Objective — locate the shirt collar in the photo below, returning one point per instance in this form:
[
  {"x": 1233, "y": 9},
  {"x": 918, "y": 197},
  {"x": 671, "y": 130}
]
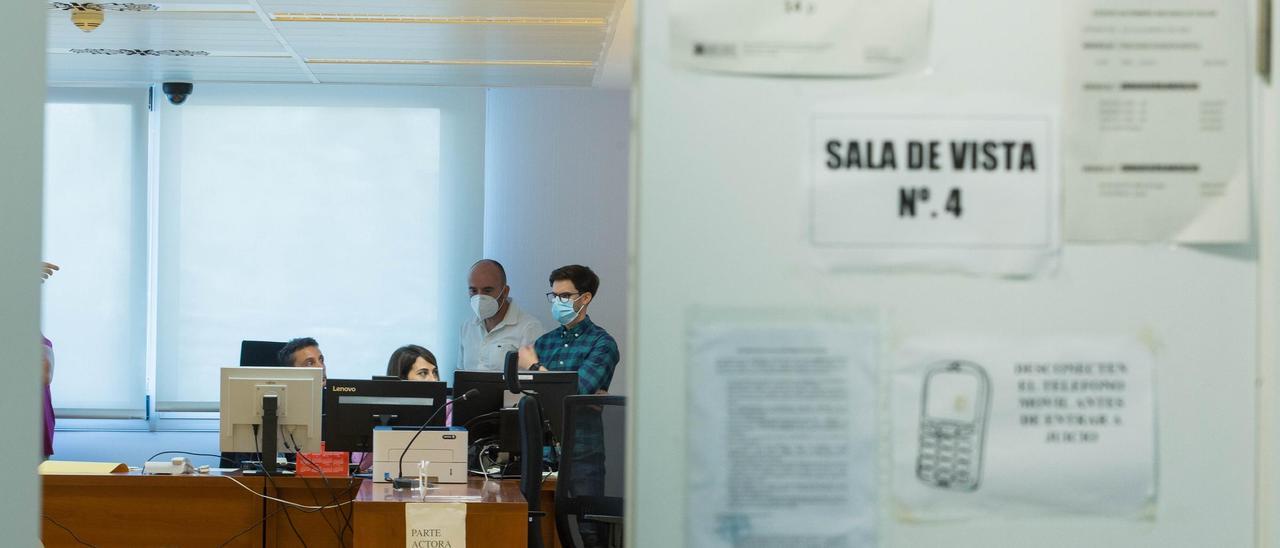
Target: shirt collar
[
  {"x": 512, "y": 317},
  {"x": 582, "y": 326}
]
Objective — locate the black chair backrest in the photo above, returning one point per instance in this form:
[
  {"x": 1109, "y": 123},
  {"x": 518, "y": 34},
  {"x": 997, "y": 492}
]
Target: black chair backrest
[
  {"x": 260, "y": 353},
  {"x": 531, "y": 464},
  {"x": 589, "y": 489}
]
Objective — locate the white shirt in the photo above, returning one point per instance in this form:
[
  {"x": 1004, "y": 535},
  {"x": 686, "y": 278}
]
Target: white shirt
[{"x": 487, "y": 350}]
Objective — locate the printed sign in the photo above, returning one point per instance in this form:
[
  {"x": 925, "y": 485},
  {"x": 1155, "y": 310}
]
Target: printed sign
[
  {"x": 435, "y": 525},
  {"x": 1018, "y": 427},
  {"x": 951, "y": 183}
]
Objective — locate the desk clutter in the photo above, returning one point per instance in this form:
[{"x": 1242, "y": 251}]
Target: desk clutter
[{"x": 356, "y": 463}]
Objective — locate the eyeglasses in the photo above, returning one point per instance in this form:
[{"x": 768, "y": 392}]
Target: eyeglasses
[{"x": 553, "y": 297}]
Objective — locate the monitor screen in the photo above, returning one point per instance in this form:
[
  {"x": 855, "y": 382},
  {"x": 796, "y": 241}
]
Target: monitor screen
[
  {"x": 548, "y": 387},
  {"x": 353, "y": 407}
]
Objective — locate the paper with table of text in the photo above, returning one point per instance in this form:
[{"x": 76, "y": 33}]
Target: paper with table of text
[{"x": 1156, "y": 135}]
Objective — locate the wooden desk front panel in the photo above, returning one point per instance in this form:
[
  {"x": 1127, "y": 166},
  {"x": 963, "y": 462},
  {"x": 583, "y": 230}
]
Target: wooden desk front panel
[
  {"x": 498, "y": 519},
  {"x": 316, "y": 529},
  {"x": 135, "y": 510}
]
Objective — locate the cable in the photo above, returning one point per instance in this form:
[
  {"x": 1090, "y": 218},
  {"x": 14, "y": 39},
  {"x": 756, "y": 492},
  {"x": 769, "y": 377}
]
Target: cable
[
  {"x": 251, "y": 527},
  {"x": 233, "y": 462},
  {"x": 69, "y": 531},
  {"x": 311, "y": 491},
  {"x": 344, "y": 515},
  {"x": 302, "y": 507},
  {"x": 272, "y": 481}
]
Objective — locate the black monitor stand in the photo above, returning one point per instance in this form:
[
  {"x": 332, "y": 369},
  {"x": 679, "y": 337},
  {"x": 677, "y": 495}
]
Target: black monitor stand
[{"x": 270, "y": 423}]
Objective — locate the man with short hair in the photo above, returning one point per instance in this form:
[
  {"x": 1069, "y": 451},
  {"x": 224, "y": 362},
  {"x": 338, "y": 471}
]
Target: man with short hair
[
  {"x": 303, "y": 352},
  {"x": 499, "y": 326},
  {"x": 579, "y": 345}
]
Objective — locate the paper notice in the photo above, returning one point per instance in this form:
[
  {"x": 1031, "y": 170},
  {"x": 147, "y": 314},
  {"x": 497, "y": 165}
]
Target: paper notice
[
  {"x": 1023, "y": 427},
  {"x": 782, "y": 435},
  {"x": 435, "y": 525},
  {"x": 1156, "y": 139},
  {"x": 801, "y": 37}
]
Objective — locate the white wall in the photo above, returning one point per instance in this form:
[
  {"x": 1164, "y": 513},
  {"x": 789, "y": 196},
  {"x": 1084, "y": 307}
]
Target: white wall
[
  {"x": 721, "y": 194},
  {"x": 21, "y": 145},
  {"x": 1268, "y": 215},
  {"x": 556, "y": 168}
]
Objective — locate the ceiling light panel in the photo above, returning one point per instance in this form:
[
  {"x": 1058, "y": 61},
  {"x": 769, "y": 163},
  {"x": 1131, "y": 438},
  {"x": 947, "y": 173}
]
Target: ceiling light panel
[
  {"x": 166, "y": 30},
  {"x": 453, "y": 75},
  {"x": 447, "y": 42},
  {"x": 439, "y": 20},
  {"x": 448, "y": 8}
]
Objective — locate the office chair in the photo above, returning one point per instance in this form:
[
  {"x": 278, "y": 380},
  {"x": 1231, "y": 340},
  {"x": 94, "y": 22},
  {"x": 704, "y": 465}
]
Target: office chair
[
  {"x": 531, "y": 464},
  {"x": 260, "y": 353},
  {"x": 589, "y": 490}
]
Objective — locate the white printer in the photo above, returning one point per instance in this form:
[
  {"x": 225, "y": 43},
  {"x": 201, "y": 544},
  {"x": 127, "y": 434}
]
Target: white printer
[{"x": 444, "y": 449}]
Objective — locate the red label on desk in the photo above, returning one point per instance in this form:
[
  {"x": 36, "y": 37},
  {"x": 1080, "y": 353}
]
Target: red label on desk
[{"x": 330, "y": 464}]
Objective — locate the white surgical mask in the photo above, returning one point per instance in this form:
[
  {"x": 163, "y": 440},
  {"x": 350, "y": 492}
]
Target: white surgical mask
[{"x": 484, "y": 306}]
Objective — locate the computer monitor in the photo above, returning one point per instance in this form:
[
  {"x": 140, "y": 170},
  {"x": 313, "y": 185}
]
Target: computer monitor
[
  {"x": 488, "y": 399},
  {"x": 295, "y": 394},
  {"x": 260, "y": 353},
  {"x": 353, "y": 407},
  {"x": 548, "y": 387}
]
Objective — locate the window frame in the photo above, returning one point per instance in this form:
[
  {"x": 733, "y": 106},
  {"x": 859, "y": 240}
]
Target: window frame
[
  {"x": 140, "y": 233},
  {"x": 462, "y": 128}
]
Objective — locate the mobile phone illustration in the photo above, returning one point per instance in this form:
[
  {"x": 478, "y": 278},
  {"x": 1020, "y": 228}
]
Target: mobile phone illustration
[{"x": 953, "y": 422}]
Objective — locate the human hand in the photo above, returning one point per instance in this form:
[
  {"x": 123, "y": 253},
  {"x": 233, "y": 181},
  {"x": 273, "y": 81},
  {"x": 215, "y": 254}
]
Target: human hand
[
  {"x": 47, "y": 359},
  {"x": 47, "y": 269},
  {"x": 526, "y": 356}
]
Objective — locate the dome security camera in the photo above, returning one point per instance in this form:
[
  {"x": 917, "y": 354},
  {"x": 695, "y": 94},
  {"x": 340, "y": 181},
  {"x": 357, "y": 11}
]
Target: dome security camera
[{"x": 177, "y": 92}]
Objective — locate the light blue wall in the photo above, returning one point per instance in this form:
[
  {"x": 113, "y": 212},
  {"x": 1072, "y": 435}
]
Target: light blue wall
[
  {"x": 21, "y": 142},
  {"x": 556, "y": 168}
]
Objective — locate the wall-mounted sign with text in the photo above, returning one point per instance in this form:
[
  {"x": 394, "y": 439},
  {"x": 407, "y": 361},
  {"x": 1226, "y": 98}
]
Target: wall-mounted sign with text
[
  {"x": 904, "y": 185},
  {"x": 801, "y": 37}
]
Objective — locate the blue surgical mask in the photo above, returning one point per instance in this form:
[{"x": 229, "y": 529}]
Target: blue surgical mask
[{"x": 563, "y": 312}]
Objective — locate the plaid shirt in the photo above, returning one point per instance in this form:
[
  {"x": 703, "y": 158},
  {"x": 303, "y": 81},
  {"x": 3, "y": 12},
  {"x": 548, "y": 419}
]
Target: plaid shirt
[
  {"x": 592, "y": 352},
  {"x": 585, "y": 348}
]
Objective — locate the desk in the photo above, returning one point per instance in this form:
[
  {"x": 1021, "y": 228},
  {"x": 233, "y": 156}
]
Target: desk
[
  {"x": 130, "y": 509},
  {"x": 303, "y": 528},
  {"x": 496, "y": 512}
]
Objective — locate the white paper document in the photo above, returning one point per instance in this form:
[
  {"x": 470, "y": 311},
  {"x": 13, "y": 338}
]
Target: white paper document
[
  {"x": 801, "y": 37},
  {"x": 1025, "y": 427},
  {"x": 1156, "y": 135},
  {"x": 782, "y": 435},
  {"x": 435, "y": 525},
  {"x": 970, "y": 193}
]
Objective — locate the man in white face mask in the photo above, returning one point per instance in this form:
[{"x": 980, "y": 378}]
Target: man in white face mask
[{"x": 499, "y": 326}]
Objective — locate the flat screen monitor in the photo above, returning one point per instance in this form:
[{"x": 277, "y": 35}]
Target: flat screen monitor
[
  {"x": 353, "y": 407},
  {"x": 260, "y": 353},
  {"x": 550, "y": 388},
  {"x": 297, "y": 393}
]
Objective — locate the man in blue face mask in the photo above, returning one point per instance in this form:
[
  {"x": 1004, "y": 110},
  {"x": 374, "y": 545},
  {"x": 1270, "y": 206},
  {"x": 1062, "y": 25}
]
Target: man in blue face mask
[
  {"x": 577, "y": 344},
  {"x": 582, "y": 346}
]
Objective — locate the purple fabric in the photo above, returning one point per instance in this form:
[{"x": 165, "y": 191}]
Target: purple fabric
[{"x": 48, "y": 411}]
